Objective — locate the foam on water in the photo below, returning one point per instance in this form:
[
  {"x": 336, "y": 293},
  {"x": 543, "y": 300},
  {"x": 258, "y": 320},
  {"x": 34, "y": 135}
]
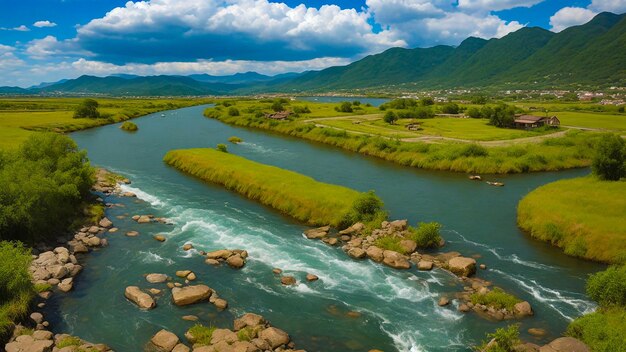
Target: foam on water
[
  {"x": 150, "y": 257},
  {"x": 258, "y": 148},
  {"x": 153, "y": 200}
]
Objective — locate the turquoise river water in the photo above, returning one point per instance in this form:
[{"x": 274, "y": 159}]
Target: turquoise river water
[{"x": 399, "y": 310}]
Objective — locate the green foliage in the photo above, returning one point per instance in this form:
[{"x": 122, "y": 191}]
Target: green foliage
[
  {"x": 299, "y": 196},
  {"x": 69, "y": 341},
  {"x": 88, "y": 108},
  {"x": 420, "y": 112},
  {"x": 479, "y": 100},
  {"x": 42, "y": 287},
  {"x": 222, "y": 148},
  {"x": 427, "y": 101},
  {"x": 450, "y": 108},
  {"x": 233, "y": 111},
  {"x": 473, "y": 113},
  {"x": 503, "y": 116},
  {"x": 496, "y": 298},
  {"x": 246, "y": 334},
  {"x": 390, "y": 243},
  {"x": 390, "y": 117},
  {"x": 608, "y": 287},
  {"x": 301, "y": 110},
  {"x": 129, "y": 126},
  {"x": 506, "y": 339},
  {"x": 346, "y": 106},
  {"x": 16, "y": 289},
  {"x": 46, "y": 180},
  {"x": 202, "y": 334},
  {"x": 609, "y": 162},
  {"x": 235, "y": 140},
  {"x": 400, "y": 104},
  {"x": 278, "y": 106},
  {"x": 426, "y": 235},
  {"x": 603, "y": 330}
]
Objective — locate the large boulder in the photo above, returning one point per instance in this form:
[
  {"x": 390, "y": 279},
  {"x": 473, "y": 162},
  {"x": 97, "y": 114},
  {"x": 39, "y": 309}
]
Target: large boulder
[
  {"x": 156, "y": 278},
  {"x": 398, "y": 225},
  {"x": 462, "y": 266},
  {"x": 219, "y": 254},
  {"x": 105, "y": 223},
  {"x": 523, "y": 309},
  {"x": 248, "y": 319},
  {"x": 565, "y": 344},
  {"x": 356, "y": 253},
  {"x": 182, "y": 296},
  {"x": 409, "y": 246},
  {"x": 226, "y": 335},
  {"x": 375, "y": 253},
  {"x": 317, "y": 233},
  {"x": 354, "y": 229},
  {"x": 140, "y": 298},
  {"x": 164, "y": 341},
  {"x": 275, "y": 337},
  {"x": 395, "y": 260},
  {"x": 236, "y": 261}
]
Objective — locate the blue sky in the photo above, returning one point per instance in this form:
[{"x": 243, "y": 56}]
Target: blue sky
[{"x": 46, "y": 40}]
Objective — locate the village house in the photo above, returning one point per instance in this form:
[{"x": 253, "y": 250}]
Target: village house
[
  {"x": 531, "y": 121},
  {"x": 281, "y": 115}
]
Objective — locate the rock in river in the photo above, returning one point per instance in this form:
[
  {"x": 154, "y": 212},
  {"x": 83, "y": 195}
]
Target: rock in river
[
  {"x": 395, "y": 260},
  {"x": 156, "y": 278},
  {"x": 183, "y": 296},
  {"x": 462, "y": 266},
  {"x": 140, "y": 298},
  {"x": 275, "y": 337},
  {"x": 164, "y": 341}
]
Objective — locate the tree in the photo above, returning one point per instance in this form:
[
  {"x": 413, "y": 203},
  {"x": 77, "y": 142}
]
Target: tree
[
  {"x": 426, "y": 101},
  {"x": 278, "y": 106},
  {"x": 479, "y": 99},
  {"x": 88, "y": 108},
  {"x": 450, "y": 108},
  {"x": 486, "y": 112},
  {"x": 473, "y": 113},
  {"x": 390, "y": 117},
  {"x": 233, "y": 111},
  {"x": 503, "y": 116},
  {"x": 346, "y": 106},
  {"x": 608, "y": 163}
]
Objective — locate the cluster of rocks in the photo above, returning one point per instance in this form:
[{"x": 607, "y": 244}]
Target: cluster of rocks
[
  {"x": 235, "y": 258},
  {"x": 289, "y": 280},
  {"x": 561, "y": 344},
  {"x": 250, "y": 333},
  {"x": 146, "y": 219},
  {"x": 359, "y": 246},
  {"x": 108, "y": 182},
  {"x": 181, "y": 295}
]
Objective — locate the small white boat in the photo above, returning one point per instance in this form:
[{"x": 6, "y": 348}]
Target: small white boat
[
  {"x": 497, "y": 184},
  {"x": 475, "y": 177},
  {"x": 162, "y": 115}
]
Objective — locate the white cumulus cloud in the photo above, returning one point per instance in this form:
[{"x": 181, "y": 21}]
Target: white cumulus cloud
[
  {"x": 42, "y": 24},
  {"x": 496, "y": 5},
  {"x": 615, "y": 6},
  {"x": 570, "y": 16}
]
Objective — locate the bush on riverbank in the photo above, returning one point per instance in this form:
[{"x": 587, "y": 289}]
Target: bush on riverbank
[
  {"x": 426, "y": 235},
  {"x": 609, "y": 162},
  {"x": 496, "y": 298},
  {"x": 296, "y": 195},
  {"x": 605, "y": 329},
  {"x": 575, "y": 149},
  {"x": 235, "y": 140},
  {"x": 505, "y": 340},
  {"x": 45, "y": 184},
  {"x": 129, "y": 126},
  {"x": 16, "y": 289},
  {"x": 584, "y": 216}
]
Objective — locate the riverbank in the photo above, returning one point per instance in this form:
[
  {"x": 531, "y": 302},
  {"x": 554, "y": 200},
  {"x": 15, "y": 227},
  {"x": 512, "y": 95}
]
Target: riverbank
[
  {"x": 22, "y": 117},
  {"x": 293, "y": 194},
  {"x": 574, "y": 150},
  {"x": 583, "y": 216}
]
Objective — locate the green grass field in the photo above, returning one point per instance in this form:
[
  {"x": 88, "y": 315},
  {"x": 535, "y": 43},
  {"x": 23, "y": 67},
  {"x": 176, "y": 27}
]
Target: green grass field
[
  {"x": 584, "y": 216},
  {"x": 293, "y": 194},
  {"x": 467, "y": 129},
  {"x": 585, "y": 115},
  {"x": 21, "y": 117}
]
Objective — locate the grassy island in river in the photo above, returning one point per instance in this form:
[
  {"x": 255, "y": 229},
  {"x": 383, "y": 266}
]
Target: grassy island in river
[
  {"x": 296, "y": 195},
  {"x": 584, "y": 216}
]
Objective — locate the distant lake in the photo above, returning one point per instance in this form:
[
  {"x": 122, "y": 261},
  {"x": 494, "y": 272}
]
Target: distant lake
[{"x": 374, "y": 101}]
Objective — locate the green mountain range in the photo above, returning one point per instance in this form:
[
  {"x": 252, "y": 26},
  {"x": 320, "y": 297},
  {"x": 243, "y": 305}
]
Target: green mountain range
[{"x": 589, "y": 55}]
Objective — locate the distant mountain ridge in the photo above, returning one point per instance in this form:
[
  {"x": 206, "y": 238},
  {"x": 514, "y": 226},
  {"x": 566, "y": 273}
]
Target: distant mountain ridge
[{"x": 592, "y": 54}]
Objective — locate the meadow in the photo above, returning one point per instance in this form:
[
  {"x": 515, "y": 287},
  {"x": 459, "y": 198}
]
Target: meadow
[
  {"x": 20, "y": 118},
  {"x": 583, "y": 216},
  {"x": 299, "y": 196},
  {"x": 584, "y": 115},
  {"x": 575, "y": 149}
]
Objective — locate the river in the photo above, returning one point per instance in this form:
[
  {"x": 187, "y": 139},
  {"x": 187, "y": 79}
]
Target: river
[{"x": 398, "y": 309}]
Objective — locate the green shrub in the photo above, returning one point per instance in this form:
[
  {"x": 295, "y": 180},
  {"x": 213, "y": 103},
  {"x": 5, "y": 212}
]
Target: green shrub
[
  {"x": 235, "y": 140},
  {"x": 471, "y": 150},
  {"x": 246, "y": 334},
  {"x": 42, "y": 287},
  {"x": 390, "y": 117},
  {"x": 222, "y": 148},
  {"x": 346, "y": 106},
  {"x": 45, "y": 185},
  {"x": 390, "y": 243},
  {"x": 202, "y": 334},
  {"x": 609, "y": 162},
  {"x": 426, "y": 235},
  {"x": 129, "y": 126},
  {"x": 16, "y": 289},
  {"x": 608, "y": 287},
  {"x": 88, "y": 108},
  {"x": 69, "y": 341},
  {"x": 233, "y": 111},
  {"x": 496, "y": 298},
  {"x": 602, "y": 331},
  {"x": 506, "y": 339}
]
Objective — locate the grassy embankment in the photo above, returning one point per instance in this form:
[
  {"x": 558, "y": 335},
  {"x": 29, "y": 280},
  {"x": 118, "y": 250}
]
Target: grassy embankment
[
  {"x": 573, "y": 150},
  {"x": 584, "y": 216},
  {"x": 16, "y": 289},
  {"x": 21, "y": 117},
  {"x": 293, "y": 194},
  {"x": 584, "y": 115}
]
